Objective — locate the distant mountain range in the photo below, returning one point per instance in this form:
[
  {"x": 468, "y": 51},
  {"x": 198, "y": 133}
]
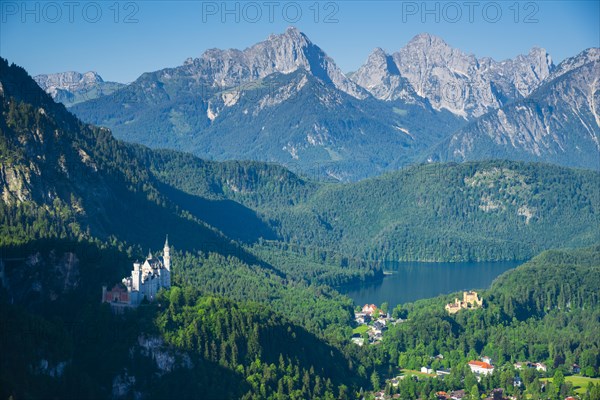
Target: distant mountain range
[
  {"x": 285, "y": 101},
  {"x": 71, "y": 87}
]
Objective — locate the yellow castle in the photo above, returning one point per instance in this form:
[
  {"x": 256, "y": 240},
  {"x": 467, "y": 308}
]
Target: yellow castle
[{"x": 470, "y": 301}]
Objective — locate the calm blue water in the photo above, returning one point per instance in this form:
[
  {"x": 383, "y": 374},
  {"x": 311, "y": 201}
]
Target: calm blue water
[{"x": 412, "y": 281}]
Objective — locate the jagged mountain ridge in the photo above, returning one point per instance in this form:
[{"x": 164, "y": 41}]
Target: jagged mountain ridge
[
  {"x": 559, "y": 122},
  {"x": 282, "y": 100},
  {"x": 73, "y": 87},
  {"x": 451, "y": 79},
  {"x": 283, "y": 53}
]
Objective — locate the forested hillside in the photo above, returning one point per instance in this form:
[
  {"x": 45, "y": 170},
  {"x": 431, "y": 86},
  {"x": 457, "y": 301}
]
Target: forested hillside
[
  {"x": 77, "y": 209},
  {"x": 547, "y": 311},
  {"x": 488, "y": 210}
]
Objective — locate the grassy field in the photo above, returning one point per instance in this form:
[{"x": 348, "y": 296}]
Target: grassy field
[
  {"x": 413, "y": 372},
  {"x": 360, "y": 329},
  {"x": 579, "y": 382}
]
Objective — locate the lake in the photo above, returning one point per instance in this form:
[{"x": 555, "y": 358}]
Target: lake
[{"x": 410, "y": 281}]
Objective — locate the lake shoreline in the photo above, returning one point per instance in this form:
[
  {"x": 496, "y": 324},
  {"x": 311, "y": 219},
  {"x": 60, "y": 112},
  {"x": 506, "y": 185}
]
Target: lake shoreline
[{"x": 406, "y": 282}]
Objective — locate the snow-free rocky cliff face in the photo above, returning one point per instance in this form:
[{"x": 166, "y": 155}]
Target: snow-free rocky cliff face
[
  {"x": 559, "y": 122},
  {"x": 450, "y": 79},
  {"x": 283, "y": 53},
  {"x": 381, "y": 77}
]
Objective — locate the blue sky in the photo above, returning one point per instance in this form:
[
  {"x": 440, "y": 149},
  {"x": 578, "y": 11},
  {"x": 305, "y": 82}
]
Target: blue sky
[{"x": 121, "y": 40}]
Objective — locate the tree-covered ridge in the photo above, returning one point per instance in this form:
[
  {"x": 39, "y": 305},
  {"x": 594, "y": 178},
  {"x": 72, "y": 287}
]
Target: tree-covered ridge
[
  {"x": 474, "y": 211},
  {"x": 488, "y": 210},
  {"x": 563, "y": 280}
]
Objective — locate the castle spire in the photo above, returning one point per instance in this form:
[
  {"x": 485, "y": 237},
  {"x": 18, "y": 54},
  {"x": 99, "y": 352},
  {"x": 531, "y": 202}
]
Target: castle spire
[
  {"x": 149, "y": 254},
  {"x": 167, "y": 241}
]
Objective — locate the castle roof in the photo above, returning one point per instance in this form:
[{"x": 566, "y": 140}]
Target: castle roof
[{"x": 480, "y": 364}]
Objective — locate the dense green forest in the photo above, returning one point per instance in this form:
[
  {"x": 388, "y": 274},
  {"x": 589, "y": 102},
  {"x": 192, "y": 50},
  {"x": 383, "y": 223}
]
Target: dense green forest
[
  {"x": 273, "y": 338},
  {"x": 489, "y": 210}
]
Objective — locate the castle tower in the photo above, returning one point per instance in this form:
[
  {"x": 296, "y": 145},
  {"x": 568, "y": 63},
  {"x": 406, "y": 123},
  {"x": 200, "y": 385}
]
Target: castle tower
[
  {"x": 136, "y": 276},
  {"x": 167, "y": 255},
  {"x": 166, "y": 279}
]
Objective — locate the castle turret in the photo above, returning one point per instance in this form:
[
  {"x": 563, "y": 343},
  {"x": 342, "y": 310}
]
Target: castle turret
[
  {"x": 167, "y": 254},
  {"x": 136, "y": 276}
]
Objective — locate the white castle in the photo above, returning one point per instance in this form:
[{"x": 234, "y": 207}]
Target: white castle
[{"x": 146, "y": 280}]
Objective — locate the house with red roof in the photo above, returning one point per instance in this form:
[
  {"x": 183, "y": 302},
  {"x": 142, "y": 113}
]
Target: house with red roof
[{"x": 481, "y": 367}]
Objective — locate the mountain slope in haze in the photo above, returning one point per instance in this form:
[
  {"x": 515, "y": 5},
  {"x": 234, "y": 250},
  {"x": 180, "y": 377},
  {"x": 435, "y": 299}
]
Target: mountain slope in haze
[
  {"x": 559, "y": 122},
  {"x": 428, "y": 68},
  {"x": 285, "y": 101},
  {"x": 72, "y": 87},
  {"x": 67, "y": 179},
  {"x": 282, "y": 100}
]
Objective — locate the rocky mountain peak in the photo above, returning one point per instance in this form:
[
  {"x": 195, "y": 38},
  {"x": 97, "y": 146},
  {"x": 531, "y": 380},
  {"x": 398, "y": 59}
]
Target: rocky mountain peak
[
  {"x": 281, "y": 53},
  {"x": 587, "y": 56},
  {"x": 380, "y": 59},
  {"x": 73, "y": 87},
  {"x": 68, "y": 80},
  {"x": 381, "y": 77},
  {"x": 427, "y": 39}
]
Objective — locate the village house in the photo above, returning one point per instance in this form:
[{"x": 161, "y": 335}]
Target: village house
[
  {"x": 541, "y": 367},
  {"x": 496, "y": 394},
  {"x": 524, "y": 364},
  {"x": 376, "y": 327},
  {"x": 369, "y": 309},
  {"x": 481, "y": 368},
  {"x": 470, "y": 301}
]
